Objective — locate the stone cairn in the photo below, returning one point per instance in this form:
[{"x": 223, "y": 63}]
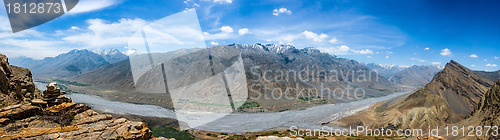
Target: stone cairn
[{"x": 52, "y": 96}]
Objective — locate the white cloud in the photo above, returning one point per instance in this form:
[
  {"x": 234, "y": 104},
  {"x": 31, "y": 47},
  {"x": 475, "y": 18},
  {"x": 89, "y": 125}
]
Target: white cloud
[
  {"x": 418, "y": 59},
  {"x": 345, "y": 50},
  {"x": 226, "y": 29},
  {"x": 132, "y": 52},
  {"x": 288, "y": 38},
  {"x": 84, "y": 6},
  {"x": 436, "y": 63},
  {"x": 37, "y": 49},
  {"x": 386, "y": 57},
  {"x": 491, "y": 65},
  {"x": 340, "y": 50},
  {"x": 243, "y": 31},
  {"x": 427, "y": 49},
  {"x": 315, "y": 37},
  {"x": 472, "y": 65},
  {"x": 496, "y": 57},
  {"x": 214, "y": 43},
  {"x": 75, "y": 28},
  {"x": 225, "y": 33},
  {"x": 220, "y": 1},
  {"x": 367, "y": 51},
  {"x": 473, "y": 56},
  {"x": 277, "y": 12},
  {"x": 334, "y": 40},
  {"x": 102, "y": 33},
  {"x": 445, "y": 52}
]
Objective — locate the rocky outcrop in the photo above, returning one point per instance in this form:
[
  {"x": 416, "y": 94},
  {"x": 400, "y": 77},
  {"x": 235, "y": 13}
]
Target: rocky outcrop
[
  {"x": 68, "y": 121},
  {"x": 27, "y": 114},
  {"x": 59, "y": 117},
  {"x": 16, "y": 84},
  {"x": 487, "y": 113},
  {"x": 52, "y": 96}
]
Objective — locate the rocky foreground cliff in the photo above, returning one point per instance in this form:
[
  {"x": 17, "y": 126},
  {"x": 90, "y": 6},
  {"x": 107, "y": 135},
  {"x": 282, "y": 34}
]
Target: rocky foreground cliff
[{"x": 27, "y": 113}]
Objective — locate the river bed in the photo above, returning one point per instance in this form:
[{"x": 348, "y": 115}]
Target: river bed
[{"x": 310, "y": 118}]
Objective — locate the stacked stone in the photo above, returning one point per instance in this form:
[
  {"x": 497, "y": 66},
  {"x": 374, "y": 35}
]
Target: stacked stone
[{"x": 52, "y": 96}]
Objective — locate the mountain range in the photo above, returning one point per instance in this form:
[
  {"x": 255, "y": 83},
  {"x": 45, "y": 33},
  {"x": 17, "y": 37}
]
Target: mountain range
[
  {"x": 416, "y": 75},
  {"x": 112, "y": 56},
  {"x": 454, "y": 94},
  {"x": 386, "y": 70},
  {"x": 69, "y": 64},
  {"x": 274, "y": 59}
]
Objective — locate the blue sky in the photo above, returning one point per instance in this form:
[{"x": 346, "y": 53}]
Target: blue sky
[{"x": 410, "y": 32}]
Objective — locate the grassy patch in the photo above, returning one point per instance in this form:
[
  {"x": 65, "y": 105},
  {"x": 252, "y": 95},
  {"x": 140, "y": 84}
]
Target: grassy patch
[
  {"x": 380, "y": 108},
  {"x": 307, "y": 98},
  {"x": 169, "y": 132},
  {"x": 237, "y": 136},
  {"x": 250, "y": 104},
  {"x": 71, "y": 83}
]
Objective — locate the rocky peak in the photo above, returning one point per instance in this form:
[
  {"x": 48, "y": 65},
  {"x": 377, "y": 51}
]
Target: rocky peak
[
  {"x": 279, "y": 49},
  {"x": 310, "y": 50},
  {"x": 272, "y": 48},
  {"x": 113, "y": 51},
  {"x": 459, "y": 87},
  {"x": 75, "y": 51},
  {"x": 455, "y": 72}
]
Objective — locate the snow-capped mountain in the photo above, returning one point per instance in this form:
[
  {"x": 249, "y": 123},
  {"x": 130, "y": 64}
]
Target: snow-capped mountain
[
  {"x": 392, "y": 66},
  {"x": 406, "y": 75},
  {"x": 132, "y": 52},
  {"x": 267, "y": 48},
  {"x": 386, "y": 70},
  {"x": 108, "y": 52},
  {"x": 112, "y": 55}
]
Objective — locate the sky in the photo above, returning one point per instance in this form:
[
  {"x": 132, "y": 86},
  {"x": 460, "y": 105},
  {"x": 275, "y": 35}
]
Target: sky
[{"x": 410, "y": 32}]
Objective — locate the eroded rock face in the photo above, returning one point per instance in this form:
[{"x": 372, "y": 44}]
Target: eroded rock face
[
  {"x": 5, "y": 74},
  {"x": 27, "y": 114},
  {"x": 16, "y": 84}
]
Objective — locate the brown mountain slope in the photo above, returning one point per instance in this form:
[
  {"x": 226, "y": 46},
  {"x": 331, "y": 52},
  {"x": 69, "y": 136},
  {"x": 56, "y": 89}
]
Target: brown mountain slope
[
  {"x": 112, "y": 76},
  {"x": 451, "y": 95},
  {"x": 487, "y": 113}
]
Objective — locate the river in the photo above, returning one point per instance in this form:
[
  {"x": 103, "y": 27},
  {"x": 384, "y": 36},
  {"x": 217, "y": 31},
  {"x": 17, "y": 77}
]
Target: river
[{"x": 310, "y": 118}]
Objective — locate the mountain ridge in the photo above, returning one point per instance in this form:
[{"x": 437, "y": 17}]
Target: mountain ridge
[
  {"x": 275, "y": 58},
  {"x": 68, "y": 64},
  {"x": 449, "y": 98}
]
